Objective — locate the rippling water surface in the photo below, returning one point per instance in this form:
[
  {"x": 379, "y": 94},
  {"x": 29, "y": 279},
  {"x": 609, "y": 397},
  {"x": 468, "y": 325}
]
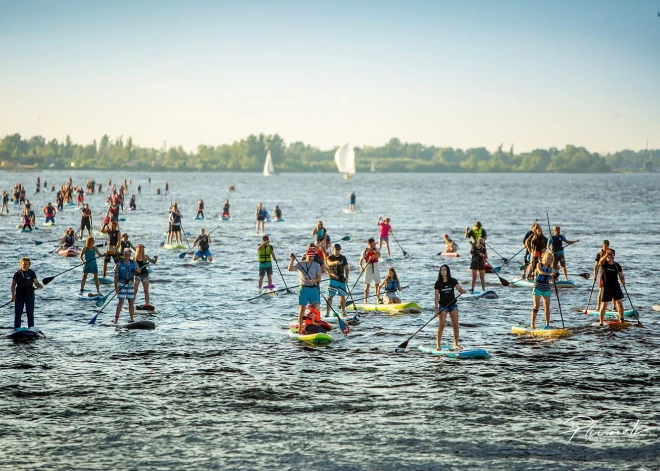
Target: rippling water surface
[{"x": 219, "y": 385}]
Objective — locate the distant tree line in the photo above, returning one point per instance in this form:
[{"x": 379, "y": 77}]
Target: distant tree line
[{"x": 248, "y": 155}]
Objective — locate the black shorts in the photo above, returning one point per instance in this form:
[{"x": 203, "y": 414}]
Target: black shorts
[
  {"x": 85, "y": 224},
  {"x": 114, "y": 256},
  {"x": 175, "y": 228},
  {"x": 611, "y": 293}
]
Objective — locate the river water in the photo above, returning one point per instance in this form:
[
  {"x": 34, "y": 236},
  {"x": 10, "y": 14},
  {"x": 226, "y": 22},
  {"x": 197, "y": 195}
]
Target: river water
[{"x": 219, "y": 385}]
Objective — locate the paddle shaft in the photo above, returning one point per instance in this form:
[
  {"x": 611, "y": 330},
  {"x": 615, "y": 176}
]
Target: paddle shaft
[
  {"x": 505, "y": 260},
  {"x": 93, "y": 320},
  {"x": 629, "y": 300},
  {"x": 282, "y": 276},
  {"x": 554, "y": 282},
  {"x": 48, "y": 279},
  {"x": 360, "y": 299},
  {"x": 404, "y": 345},
  {"x": 405, "y": 254}
]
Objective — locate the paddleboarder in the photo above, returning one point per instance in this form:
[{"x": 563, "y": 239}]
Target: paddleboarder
[
  {"x": 49, "y": 212},
  {"x": 200, "y": 209},
  {"x": 175, "y": 225},
  {"x": 352, "y": 199},
  {"x": 611, "y": 273},
  {"x": 142, "y": 275},
  {"x": 203, "y": 240},
  {"x": 384, "y": 236},
  {"x": 266, "y": 255},
  {"x": 278, "y": 213},
  {"x": 337, "y": 268},
  {"x": 369, "y": 266},
  {"x": 450, "y": 246},
  {"x": 528, "y": 255},
  {"x": 321, "y": 234},
  {"x": 309, "y": 276},
  {"x": 125, "y": 272},
  {"x": 225, "y": 210},
  {"x": 445, "y": 302},
  {"x": 556, "y": 246},
  {"x": 260, "y": 215},
  {"x": 605, "y": 246},
  {"x": 113, "y": 234},
  {"x": 88, "y": 256},
  {"x": 391, "y": 286},
  {"x": 478, "y": 263},
  {"x": 5, "y": 202},
  {"x": 22, "y": 293},
  {"x": 542, "y": 279},
  {"x": 536, "y": 244},
  {"x": 85, "y": 220}
]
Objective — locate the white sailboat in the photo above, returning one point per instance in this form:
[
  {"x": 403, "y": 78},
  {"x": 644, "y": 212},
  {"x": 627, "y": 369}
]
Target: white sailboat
[
  {"x": 345, "y": 160},
  {"x": 269, "y": 168},
  {"x": 373, "y": 167}
]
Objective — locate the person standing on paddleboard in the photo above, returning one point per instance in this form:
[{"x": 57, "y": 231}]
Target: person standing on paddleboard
[
  {"x": 200, "y": 209},
  {"x": 278, "y": 213},
  {"x": 338, "y": 270},
  {"x": 384, "y": 236},
  {"x": 543, "y": 277},
  {"x": 369, "y": 265},
  {"x": 225, "y": 209},
  {"x": 85, "y": 220},
  {"x": 478, "y": 264},
  {"x": 391, "y": 286},
  {"x": 260, "y": 216},
  {"x": 446, "y": 299},
  {"x": 611, "y": 272},
  {"x": 556, "y": 246},
  {"x": 175, "y": 225},
  {"x": 22, "y": 293},
  {"x": 49, "y": 212},
  {"x": 536, "y": 244},
  {"x": 5, "y": 202},
  {"x": 142, "y": 275},
  {"x": 88, "y": 256},
  {"x": 111, "y": 244},
  {"x": 309, "y": 275},
  {"x": 266, "y": 255},
  {"x": 125, "y": 272},
  {"x": 352, "y": 199},
  {"x": 528, "y": 255},
  {"x": 605, "y": 246}
]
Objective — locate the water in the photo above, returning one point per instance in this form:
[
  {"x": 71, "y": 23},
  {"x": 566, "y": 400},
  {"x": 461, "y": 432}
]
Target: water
[{"x": 219, "y": 385}]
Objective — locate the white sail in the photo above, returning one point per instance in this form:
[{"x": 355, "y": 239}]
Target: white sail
[
  {"x": 373, "y": 167},
  {"x": 345, "y": 160},
  {"x": 269, "y": 168}
]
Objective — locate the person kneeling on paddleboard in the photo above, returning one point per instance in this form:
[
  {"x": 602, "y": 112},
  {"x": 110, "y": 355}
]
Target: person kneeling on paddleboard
[
  {"x": 203, "y": 240},
  {"x": 309, "y": 275}
]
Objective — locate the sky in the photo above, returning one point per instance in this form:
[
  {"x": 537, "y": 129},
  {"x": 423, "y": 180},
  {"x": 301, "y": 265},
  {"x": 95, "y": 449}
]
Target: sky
[{"x": 459, "y": 74}]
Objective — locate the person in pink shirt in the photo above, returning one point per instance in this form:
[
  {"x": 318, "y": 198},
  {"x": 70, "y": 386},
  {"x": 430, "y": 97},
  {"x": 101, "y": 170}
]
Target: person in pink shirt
[{"x": 385, "y": 231}]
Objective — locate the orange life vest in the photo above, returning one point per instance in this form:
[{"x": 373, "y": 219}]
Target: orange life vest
[{"x": 313, "y": 317}]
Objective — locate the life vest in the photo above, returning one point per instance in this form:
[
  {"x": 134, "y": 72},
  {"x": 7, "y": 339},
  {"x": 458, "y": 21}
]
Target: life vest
[
  {"x": 544, "y": 278},
  {"x": 556, "y": 243},
  {"x": 175, "y": 217},
  {"x": 123, "y": 245},
  {"x": 69, "y": 240},
  {"x": 477, "y": 233},
  {"x": 371, "y": 256},
  {"x": 126, "y": 271},
  {"x": 264, "y": 254},
  {"x": 49, "y": 211},
  {"x": 313, "y": 316},
  {"x": 392, "y": 286},
  {"x": 320, "y": 233}
]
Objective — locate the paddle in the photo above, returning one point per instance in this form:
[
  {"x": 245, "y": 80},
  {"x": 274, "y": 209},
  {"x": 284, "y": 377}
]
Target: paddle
[
  {"x": 506, "y": 261},
  {"x": 342, "y": 325},
  {"x": 554, "y": 282},
  {"x": 93, "y": 319},
  {"x": 182, "y": 255},
  {"x": 630, "y": 301},
  {"x": 346, "y": 238},
  {"x": 586, "y": 309},
  {"x": 517, "y": 253},
  {"x": 266, "y": 292},
  {"x": 283, "y": 281},
  {"x": 48, "y": 279},
  {"x": 6, "y": 304},
  {"x": 402, "y": 348},
  {"x": 405, "y": 254},
  {"x": 502, "y": 280},
  {"x": 39, "y": 242}
]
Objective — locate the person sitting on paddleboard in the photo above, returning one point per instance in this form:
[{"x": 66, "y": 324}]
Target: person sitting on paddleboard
[
  {"x": 352, "y": 199},
  {"x": 131, "y": 204},
  {"x": 391, "y": 286},
  {"x": 309, "y": 275},
  {"x": 86, "y": 220},
  {"x": 142, "y": 276},
  {"x": 278, "y": 213},
  {"x": 23, "y": 285},
  {"x": 203, "y": 240},
  {"x": 445, "y": 302},
  {"x": 369, "y": 266},
  {"x": 266, "y": 255},
  {"x": 88, "y": 256},
  {"x": 478, "y": 264},
  {"x": 200, "y": 209},
  {"x": 27, "y": 220},
  {"x": 556, "y": 246},
  {"x": 68, "y": 239},
  {"x": 528, "y": 255},
  {"x": 260, "y": 215},
  {"x": 338, "y": 270},
  {"x": 450, "y": 246},
  {"x": 542, "y": 279},
  {"x": 225, "y": 210},
  {"x": 49, "y": 212},
  {"x": 536, "y": 244},
  {"x": 611, "y": 272},
  {"x": 601, "y": 253},
  {"x": 384, "y": 236},
  {"x": 113, "y": 234},
  {"x": 125, "y": 272}
]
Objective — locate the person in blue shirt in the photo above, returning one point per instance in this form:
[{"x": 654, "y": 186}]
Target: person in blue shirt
[{"x": 556, "y": 246}]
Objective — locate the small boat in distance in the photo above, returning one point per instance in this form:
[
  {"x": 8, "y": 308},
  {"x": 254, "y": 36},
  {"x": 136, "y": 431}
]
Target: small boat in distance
[
  {"x": 345, "y": 160},
  {"x": 269, "y": 168},
  {"x": 373, "y": 167}
]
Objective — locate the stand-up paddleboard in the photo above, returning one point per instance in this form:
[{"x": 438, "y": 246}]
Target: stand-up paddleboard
[
  {"x": 20, "y": 226},
  {"x": 293, "y": 324},
  {"x": 174, "y": 247},
  {"x": 656, "y": 308},
  {"x": 450, "y": 352},
  {"x": 49, "y": 224},
  {"x": 409, "y": 308},
  {"x": 140, "y": 325},
  {"x": 355, "y": 320},
  {"x": 551, "y": 332},
  {"x": 69, "y": 252},
  {"x": 201, "y": 261},
  {"x": 530, "y": 283},
  {"x": 106, "y": 281},
  {"x": 89, "y": 297},
  {"x": 188, "y": 234},
  {"x": 626, "y": 313},
  {"x": 23, "y": 333},
  {"x": 488, "y": 294},
  {"x": 142, "y": 309},
  {"x": 614, "y": 323},
  {"x": 198, "y": 218},
  {"x": 278, "y": 220},
  {"x": 318, "y": 339},
  {"x": 389, "y": 260},
  {"x": 348, "y": 211},
  {"x": 450, "y": 254}
]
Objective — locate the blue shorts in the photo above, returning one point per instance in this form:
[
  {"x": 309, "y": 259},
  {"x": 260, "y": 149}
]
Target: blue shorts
[
  {"x": 336, "y": 288},
  {"x": 453, "y": 307},
  {"x": 50, "y": 219},
  {"x": 308, "y": 295},
  {"x": 205, "y": 254},
  {"x": 126, "y": 292},
  {"x": 538, "y": 292}
]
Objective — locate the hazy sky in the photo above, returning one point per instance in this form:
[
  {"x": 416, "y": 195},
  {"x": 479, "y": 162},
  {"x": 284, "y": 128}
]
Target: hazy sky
[{"x": 461, "y": 74}]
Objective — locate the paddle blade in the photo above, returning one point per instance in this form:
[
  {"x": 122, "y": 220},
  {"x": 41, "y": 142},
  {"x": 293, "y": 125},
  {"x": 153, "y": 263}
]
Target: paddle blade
[
  {"x": 48, "y": 279},
  {"x": 497, "y": 269},
  {"x": 401, "y": 348},
  {"x": 93, "y": 320},
  {"x": 586, "y": 276},
  {"x": 182, "y": 255},
  {"x": 343, "y": 326},
  {"x": 503, "y": 281},
  {"x": 38, "y": 242},
  {"x": 345, "y": 238},
  {"x": 100, "y": 302}
]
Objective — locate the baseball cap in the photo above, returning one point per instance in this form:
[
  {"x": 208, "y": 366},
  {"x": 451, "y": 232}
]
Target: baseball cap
[
  {"x": 478, "y": 224},
  {"x": 338, "y": 246},
  {"x": 265, "y": 238}
]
